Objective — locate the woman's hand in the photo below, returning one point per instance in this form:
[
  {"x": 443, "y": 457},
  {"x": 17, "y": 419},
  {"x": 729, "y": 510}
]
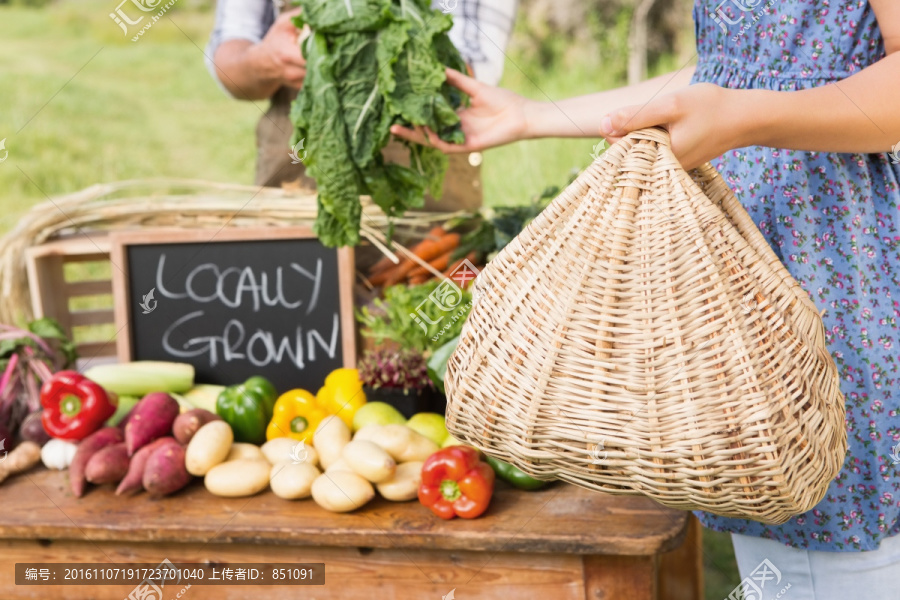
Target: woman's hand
[
  {"x": 494, "y": 117},
  {"x": 704, "y": 121}
]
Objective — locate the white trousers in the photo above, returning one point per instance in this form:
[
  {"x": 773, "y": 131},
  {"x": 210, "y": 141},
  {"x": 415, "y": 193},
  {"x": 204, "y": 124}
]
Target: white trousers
[{"x": 772, "y": 571}]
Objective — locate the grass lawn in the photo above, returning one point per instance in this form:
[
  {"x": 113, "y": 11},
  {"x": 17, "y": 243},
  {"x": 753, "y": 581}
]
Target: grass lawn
[{"x": 82, "y": 104}]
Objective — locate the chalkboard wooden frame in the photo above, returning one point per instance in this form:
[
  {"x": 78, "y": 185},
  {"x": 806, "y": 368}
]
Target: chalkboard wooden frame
[{"x": 123, "y": 306}]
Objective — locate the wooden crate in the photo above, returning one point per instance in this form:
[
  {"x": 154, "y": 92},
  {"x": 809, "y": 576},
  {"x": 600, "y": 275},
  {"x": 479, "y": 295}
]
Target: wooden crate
[{"x": 54, "y": 290}]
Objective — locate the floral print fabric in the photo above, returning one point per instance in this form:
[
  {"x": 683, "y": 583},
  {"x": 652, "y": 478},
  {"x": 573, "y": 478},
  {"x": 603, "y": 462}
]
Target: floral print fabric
[{"x": 833, "y": 220}]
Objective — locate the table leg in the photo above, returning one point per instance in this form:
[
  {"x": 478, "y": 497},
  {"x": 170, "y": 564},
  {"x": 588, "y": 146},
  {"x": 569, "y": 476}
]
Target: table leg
[{"x": 681, "y": 570}]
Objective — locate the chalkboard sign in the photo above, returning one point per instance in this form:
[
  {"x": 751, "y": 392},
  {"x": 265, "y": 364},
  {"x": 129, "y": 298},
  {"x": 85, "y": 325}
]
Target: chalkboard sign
[{"x": 235, "y": 303}]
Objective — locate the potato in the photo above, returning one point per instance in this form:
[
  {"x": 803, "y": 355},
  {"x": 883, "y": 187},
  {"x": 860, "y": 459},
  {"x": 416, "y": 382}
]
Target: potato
[
  {"x": 188, "y": 423},
  {"x": 329, "y": 440},
  {"x": 209, "y": 447},
  {"x": 404, "y": 485},
  {"x": 236, "y": 478},
  {"x": 241, "y": 450},
  {"x": 339, "y": 465},
  {"x": 369, "y": 460},
  {"x": 150, "y": 418},
  {"x": 86, "y": 449},
  {"x": 285, "y": 449},
  {"x": 404, "y": 444},
  {"x": 341, "y": 491},
  {"x": 165, "y": 473},
  {"x": 369, "y": 432},
  {"x": 108, "y": 465},
  {"x": 292, "y": 481},
  {"x": 133, "y": 480}
]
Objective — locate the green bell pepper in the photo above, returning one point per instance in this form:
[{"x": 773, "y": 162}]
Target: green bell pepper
[
  {"x": 248, "y": 409},
  {"x": 514, "y": 476}
]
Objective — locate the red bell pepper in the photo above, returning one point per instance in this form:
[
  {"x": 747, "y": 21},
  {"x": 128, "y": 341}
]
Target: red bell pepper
[
  {"x": 455, "y": 483},
  {"x": 74, "y": 406}
]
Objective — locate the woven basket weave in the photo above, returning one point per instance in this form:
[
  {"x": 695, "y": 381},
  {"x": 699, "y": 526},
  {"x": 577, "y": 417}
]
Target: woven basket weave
[{"x": 641, "y": 337}]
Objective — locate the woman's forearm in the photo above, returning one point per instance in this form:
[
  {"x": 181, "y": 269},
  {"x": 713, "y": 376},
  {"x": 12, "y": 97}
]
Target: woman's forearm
[
  {"x": 858, "y": 114},
  {"x": 581, "y": 116}
]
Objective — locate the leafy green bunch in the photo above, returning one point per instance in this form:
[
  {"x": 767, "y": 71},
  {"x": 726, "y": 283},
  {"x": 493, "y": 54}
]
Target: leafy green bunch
[{"x": 372, "y": 64}]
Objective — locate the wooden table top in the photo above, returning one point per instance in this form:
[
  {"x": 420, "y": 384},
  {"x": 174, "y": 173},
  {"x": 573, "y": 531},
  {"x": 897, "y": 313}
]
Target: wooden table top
[{"x": 560, "y": 519}]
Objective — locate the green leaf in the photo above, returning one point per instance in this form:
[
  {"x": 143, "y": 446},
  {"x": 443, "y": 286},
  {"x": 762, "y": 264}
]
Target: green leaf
[{"x": 372, "y": 64}]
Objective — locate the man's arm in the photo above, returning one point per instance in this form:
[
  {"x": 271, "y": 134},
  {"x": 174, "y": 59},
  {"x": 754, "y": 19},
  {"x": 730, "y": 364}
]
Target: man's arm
[{"x": 251, "y": 53}]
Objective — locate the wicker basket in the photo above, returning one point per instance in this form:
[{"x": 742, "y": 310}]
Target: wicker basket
[{"x": 640, "y": 337}]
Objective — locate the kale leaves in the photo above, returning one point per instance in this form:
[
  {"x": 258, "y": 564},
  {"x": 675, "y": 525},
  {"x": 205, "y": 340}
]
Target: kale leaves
[{"x": 372, "y": 64}]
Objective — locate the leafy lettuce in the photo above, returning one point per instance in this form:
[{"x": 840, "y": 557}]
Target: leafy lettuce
[{"x": 372, "y": 64}]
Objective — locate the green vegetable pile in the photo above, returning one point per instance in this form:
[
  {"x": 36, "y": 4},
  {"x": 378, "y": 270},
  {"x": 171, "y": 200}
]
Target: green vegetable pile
[
  {"x": 410, "y": 316},
  {"x": 372, "y": 64}
]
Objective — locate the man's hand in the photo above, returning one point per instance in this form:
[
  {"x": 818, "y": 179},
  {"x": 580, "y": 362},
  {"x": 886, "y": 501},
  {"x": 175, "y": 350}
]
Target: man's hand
[
  {"x": 278, "y": 55},
  {"x": 255, "y": 71}
]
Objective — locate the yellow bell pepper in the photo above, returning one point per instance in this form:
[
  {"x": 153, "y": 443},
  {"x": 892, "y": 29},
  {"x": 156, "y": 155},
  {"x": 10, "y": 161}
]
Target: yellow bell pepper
[
  {"x": 296, "y": 415},
  {"x": 342, "y": 394}
]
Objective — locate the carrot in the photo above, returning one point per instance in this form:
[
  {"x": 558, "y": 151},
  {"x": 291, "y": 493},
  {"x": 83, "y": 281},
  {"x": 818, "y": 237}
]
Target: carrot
[
  {"x": 419, "y": 279},
  {"x": 386, "y": 263},
  {"x": 427, "y": 250},
  {"x": 379, "y": 279},
  {"x": 439, "y": 264}
]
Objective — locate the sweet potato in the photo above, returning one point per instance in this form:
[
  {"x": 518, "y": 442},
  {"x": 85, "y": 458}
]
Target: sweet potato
[
  {"x": 133, "y": 480},
  {"x": 86, "y": 449},
  {"x": 151, "y": 418},
  {"x": 108, "y": 465},
  {"x": 187, "y": 424},
  {"x": 165, "y": 472}
]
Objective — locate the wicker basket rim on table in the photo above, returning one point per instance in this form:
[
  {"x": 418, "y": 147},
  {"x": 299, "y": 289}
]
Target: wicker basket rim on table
[{"x": 641, "y": 337}]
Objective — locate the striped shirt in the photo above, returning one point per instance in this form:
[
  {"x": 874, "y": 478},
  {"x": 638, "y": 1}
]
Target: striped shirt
[{"x": 481, "y": 29}]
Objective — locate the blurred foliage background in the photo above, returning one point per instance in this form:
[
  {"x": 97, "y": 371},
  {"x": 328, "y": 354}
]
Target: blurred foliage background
[{"x": 82, "y": 104}]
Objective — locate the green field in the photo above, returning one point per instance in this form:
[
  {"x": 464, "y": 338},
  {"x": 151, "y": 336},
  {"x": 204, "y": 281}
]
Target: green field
[{"x": 81, "y": 104}]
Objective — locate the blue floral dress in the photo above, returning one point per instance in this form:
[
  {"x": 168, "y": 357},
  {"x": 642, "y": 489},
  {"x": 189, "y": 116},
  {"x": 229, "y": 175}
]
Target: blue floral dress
[{"x": 834, "y": 221}]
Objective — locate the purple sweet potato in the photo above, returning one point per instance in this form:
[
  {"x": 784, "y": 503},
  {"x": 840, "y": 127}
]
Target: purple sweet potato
[
  {"x": 108, "y": 465},
  {"x": 133, "y": 481},
  {"x": 86, "y": 449},
  {"x": 150, "y": 418},
  {"x": 187, "y": 424},
  {"x": 165, "y": 472}
]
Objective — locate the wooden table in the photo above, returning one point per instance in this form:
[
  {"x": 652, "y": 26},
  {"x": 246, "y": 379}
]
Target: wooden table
[{"x": 560, "y": 543}]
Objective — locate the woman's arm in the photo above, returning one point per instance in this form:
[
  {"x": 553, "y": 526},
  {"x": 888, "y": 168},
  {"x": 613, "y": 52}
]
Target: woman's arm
[
  {"x": 496, "y": 116},
  {"x": 858, "y": 114}
]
